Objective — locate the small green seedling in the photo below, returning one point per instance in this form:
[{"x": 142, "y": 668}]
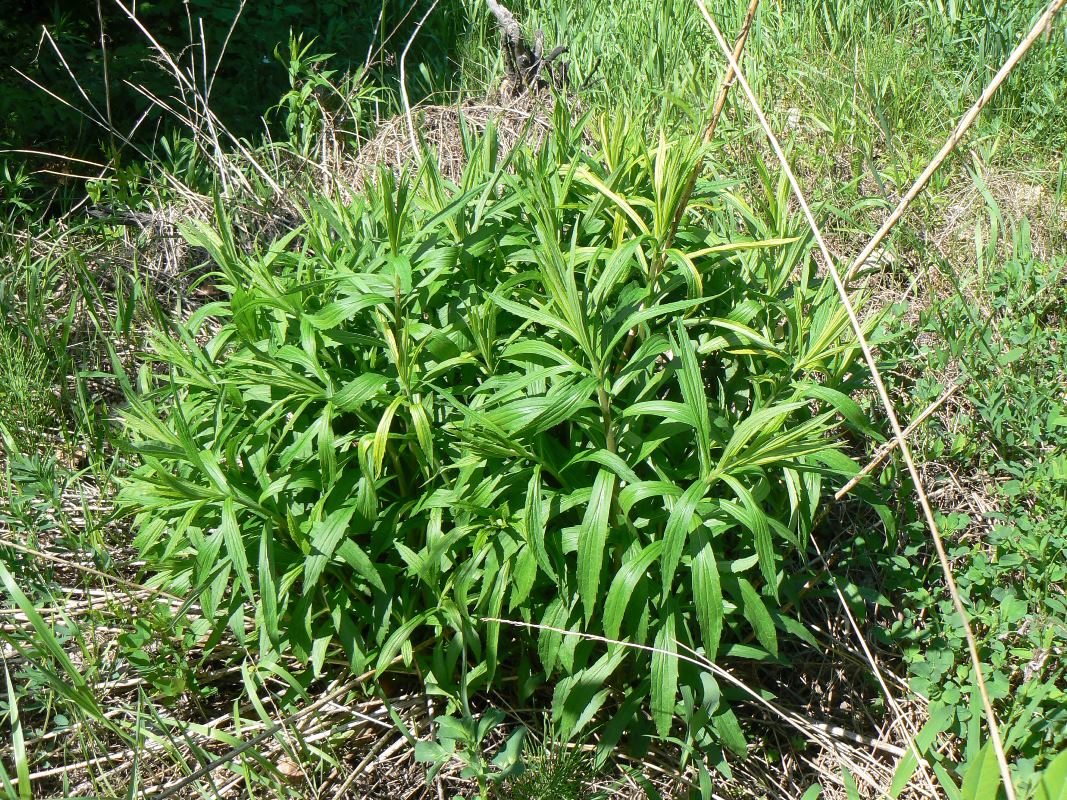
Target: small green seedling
[{"x": 463, "y": 740}]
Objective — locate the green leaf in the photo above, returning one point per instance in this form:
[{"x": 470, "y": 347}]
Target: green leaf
[
  {"x": 326, "y": 535},
  {"x": 381, "y": 434},
  {"x": 72, "y": 683},
  {"x": 592, "y": 539},
  {"x": 618, "y": 266},
  {"x": 648, "y": 314},
  {"x": 235, "y": 546},
  {"x": 753, "y": 518},
  {"x": 664, "y": 675},
  {"x": 397, "y": 639},
  {"x": 746, "y": 334},
  {"x": 358, "y": 391},
  {"x": 535, "y": 519},
  {"x": 852, "y": 791},
  {"x": 550, "y": 640},
  {"x": 940, "y": 718},
  {"x": 268, "y": 592},
  {"x": 580, "y": 696},
  {"x": 1053, "y": 784},
  {"x": 18, "y": 740},
  {"x": 692, "y": 383},
  {"x": 584, "y": 174},
  {"x": 511, "y": 753},
  {"x": 707, "y": 594},
  {"x": 757, "y": 615},
  {"x": 427, "y": 752},
  {"x": 982, "y": 779},
  {"x": 354, "y": 556},
  {"x": 845, "y": 405},
  {"x": 525, "y": 573},
  {"x": 757, "y": 424},
  {"x": 730, "y": 734},
  {"x": 678, "y": 526},
  {"x": 612, "y": 461},
  {"x": 537, "y": 315},
  {"x": 623, "y": 585}
]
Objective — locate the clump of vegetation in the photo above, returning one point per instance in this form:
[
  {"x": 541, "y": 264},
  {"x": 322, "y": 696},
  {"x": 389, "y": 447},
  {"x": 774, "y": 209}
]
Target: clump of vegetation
[
  {"x": 1003, "y": 331},
  {"x": 323, "y": 477},
  {"x": 27, "y": 405},
  {"x": 551, "y": 769}
]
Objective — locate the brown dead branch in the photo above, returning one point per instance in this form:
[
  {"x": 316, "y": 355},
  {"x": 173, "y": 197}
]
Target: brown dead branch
[{"x": 529, "y": 69}]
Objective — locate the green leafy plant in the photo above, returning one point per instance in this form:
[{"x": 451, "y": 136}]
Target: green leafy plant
[
  {"x": 1003, "y": 329},
  {"x": 463, "y": 739},
  {"x": 27, "y": 404},
  {"x": 550, "y": 769},
  {"x": 439, "y": 406},
  {"x": 157, "y": 646}
]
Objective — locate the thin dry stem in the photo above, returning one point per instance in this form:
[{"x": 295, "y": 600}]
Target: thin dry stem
[
  {"x": 88, "y": 570},
  {"x": 818, "y": 733},
  {"x": 403, "y": 81},
  {"x": 901, "y": 720},
  {"x": 709, "y": 132},
  {"x": 884, "y": 451}
]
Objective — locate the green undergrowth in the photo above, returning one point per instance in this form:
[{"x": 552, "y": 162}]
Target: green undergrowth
[
  {"x": 439, "y": 406},
  {"x": 999, "y": 332},
  {"x": 1012, "y": 558}
]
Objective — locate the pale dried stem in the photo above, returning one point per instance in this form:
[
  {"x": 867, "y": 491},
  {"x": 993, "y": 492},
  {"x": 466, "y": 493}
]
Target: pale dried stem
[
  {"x": 331, "y": 695},
  {"x": 694, "y": 173},
  {"x": 509, "y": 26},
  {"x": 225, "y": 758},
  {"x": 716, "y": 113},
  {"x": 186, "y": 86},
  {"x": 901, "y": 719},
  {"x": 30, "y": 551},
  {"x": 909, "y": 732},
  {"x": 818, "y": 733},
  {"x": 924, "y": 502},
  {"x": 415, "y": 150}
]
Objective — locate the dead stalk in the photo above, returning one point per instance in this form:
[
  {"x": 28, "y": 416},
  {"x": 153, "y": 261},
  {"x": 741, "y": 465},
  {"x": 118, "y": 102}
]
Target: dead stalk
[
  {"x": 87, "y": 570},
  {"x": 404, "y": 85},
  {"x": 906, "y": 728},
  {"x": 886, "y": 449},
  {"x": 818, "y": 733},
  {"x": 716, "y": 113}
]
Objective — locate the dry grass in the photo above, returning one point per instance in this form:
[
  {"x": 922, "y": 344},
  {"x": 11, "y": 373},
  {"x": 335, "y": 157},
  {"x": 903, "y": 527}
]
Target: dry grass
[{"x": 441, "y": 129}]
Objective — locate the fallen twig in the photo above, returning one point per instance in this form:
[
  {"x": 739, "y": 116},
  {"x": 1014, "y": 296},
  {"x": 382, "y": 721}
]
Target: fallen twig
[
  {"x": 883, "y": 452},
  {"x": 1046, "y": 19}
]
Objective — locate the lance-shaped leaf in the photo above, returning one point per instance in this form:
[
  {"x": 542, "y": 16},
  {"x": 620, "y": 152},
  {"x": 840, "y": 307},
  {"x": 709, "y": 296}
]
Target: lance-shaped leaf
[
  {"x": 592, "y": 539},
  {"x": 707, "y": 593},
  {"x": 664, "y": 675},
  {"x": 678, "y": 525}
]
